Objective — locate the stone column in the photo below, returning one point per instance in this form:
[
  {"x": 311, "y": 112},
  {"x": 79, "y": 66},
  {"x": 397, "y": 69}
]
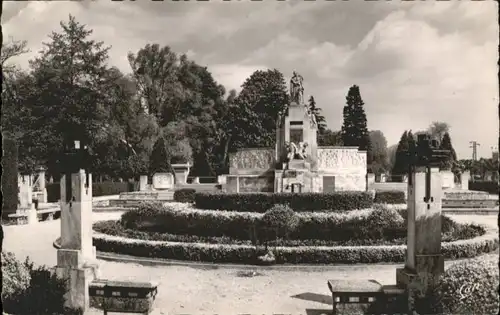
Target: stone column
[
  {"x": 76, "y": 259},
  {"x": 26, "y": 199},
  {"x": 424, "y": 261},
  {"x": 41, "y": 185},
  {"x": 464, "y": 180},
  {"x": 143, "y": 182}
]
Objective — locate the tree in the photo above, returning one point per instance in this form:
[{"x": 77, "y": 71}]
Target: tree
[
  {"x": 378, "y": 152},
  {"x": 401, "y": 162},
  {"x": 330, "y": 138},
  {"x": 354, "y": 128},
  {"x": 446, "y": 145},
  {"x": 9, "y": 176},
  {"x": 262, "y": 97},
  {"x": 437, "y": 130},
  {"x": 316, "y": 111},
  {"x": 159, "y": 160}
]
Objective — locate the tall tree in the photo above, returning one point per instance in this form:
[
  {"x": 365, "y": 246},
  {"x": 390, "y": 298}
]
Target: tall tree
[
  {"x": 159, "y": 160},
  {"x": 354, "y": 129},
  {"x": 378, "y": 152},
  {"x": 316, "y": 111},
  {"x": 437, "y": 129},
  {"x": 401, "y": 162},
  {"x": 262, "y": 97},
  {"x": 446, "y": 145}
]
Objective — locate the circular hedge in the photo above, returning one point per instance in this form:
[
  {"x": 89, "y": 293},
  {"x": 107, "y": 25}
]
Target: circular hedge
[{"x": 360, "y": 236}]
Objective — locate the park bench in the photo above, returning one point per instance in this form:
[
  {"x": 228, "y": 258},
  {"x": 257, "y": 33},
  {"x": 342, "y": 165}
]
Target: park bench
[
  {"x": 122, "y": 296},
  {"x": 21, "y": 217},
  {"x": 363, "y": 292}
]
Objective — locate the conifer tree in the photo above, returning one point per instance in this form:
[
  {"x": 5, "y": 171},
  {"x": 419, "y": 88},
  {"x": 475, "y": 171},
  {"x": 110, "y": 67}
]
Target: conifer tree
[
  {"x": 159, "y": 160},
  {"x": 401, "y": 164},
  {"x": 316, "y": 111},
  {"x": 354, "y": 129},
  {"x": 446, "y": 145}
]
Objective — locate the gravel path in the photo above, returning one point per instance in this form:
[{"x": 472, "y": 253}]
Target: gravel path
[{"x": 191, "y": 290}]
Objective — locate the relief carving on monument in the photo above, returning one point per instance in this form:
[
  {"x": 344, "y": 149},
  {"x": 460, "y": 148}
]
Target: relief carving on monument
[
  {"x": 252, "y": 159},
  {"x": 341, "y": 159}
]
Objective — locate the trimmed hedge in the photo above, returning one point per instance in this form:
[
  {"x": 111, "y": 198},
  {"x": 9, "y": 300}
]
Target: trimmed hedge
[
  {"x": 383, "y": 223},
  {"x": 184, "y": 195},
  {"x": 486, "y": 186},
  {"x": 294, "y": 255},
  {"x": 261, "y": 202},
  {"x": 390, "y": 197},
  {"x": 98, "y": 189}
]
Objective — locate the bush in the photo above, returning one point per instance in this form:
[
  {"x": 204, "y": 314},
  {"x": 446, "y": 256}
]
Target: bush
[
  {"x": 295, "y": 255},
  {"x": 184, "y": 195},
  {"x": 261, "y": 202},
  {"x": 345, "y": 226},
  {"x": 98, "y": 189},
  {"x": 390, "y": 197},
  {"x": 30, "y": 290},
  {"x": 468, "y": 287},
  {"x": 281, "y": 219},
  {"x": 487, "y": 186},
  {"x": 9, "y": 176}
]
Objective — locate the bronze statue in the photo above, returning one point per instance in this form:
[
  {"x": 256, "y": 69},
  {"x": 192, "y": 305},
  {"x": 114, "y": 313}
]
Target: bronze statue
[{"x": 296, "y": 88}]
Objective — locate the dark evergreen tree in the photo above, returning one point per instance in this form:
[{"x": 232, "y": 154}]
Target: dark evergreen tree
[
  {"x": 446, "y": 145},
  {"x": 316, "y": 111},
  {"x": 401, "y": 164},
  {"x": 354, "y": 129},
  {"x": 9, "y": 176},
  {"x": 159, "y": 160}
]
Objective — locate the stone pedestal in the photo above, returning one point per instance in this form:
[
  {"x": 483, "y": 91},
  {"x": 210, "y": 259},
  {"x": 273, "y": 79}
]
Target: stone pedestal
[
  {"x": 447, "y": 179},
  {"x": 464, "y": 180},
  {"x": 163, "y": 181},
  {"x": 424, "y": 261},
  {"x": 370, "y": 179},
  {"x": 76, "y": 259},
  {"x": 143, "y": 182},
  {"x": 181, "y": 173},
  {"x": 41, "y": 185}
]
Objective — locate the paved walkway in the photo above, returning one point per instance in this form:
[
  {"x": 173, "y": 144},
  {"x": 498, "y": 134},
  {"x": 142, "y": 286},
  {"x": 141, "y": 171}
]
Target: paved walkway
[{"x": 191, "y": 290}]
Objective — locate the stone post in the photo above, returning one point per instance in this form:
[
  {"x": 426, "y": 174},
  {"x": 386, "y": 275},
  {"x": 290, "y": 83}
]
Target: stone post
[
  {"x": 76, "y": 259},
  {"x": 143, "y": 182},
  {"x": 464, "y": 180},
  {"x": 383, "y": 178},
  {"x": 405, "y": 178},
  {"x": 370, "y": 179},
  {"x": 424, "y": 261},
  {"x": 41, "y": 184},
  {"x": 26, "y": 199}
]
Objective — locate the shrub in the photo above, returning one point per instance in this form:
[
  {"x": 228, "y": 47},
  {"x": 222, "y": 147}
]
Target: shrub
[
  {"x": 9, "y": 176},
  {"x": 281, "y": 219},
  {"x": 390, "y": 197},
  {"x": 468, "y": 287},
  {"x": 15, "y": 276},
  {"x": 184, "y": 195},
  {"x": 487, "y": 186},
  {"x": 261, "y": 202},
  {"x": 98, "y": 189},
  {"x": 383, "y": 223}
]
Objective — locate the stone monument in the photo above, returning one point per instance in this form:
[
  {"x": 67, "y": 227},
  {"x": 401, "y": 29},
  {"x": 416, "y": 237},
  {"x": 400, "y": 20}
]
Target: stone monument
[
  {"x": 424, "y": 262},
  {"x": 26, "y": 199},
  {"x": 296, "y": 163},
  {"x": 76, "y": 259}
]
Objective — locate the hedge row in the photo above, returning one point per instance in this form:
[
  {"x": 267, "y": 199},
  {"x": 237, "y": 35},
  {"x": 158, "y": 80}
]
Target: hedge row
[
  {"x": 487, "y": 186},
  {"x": 390, "y": 197},
  {"x": 261, "y": 202},
  {"x": 381, "y": 223},
  {"x": 98, "y": 189},
  {"x": 294, "y": 255},
  {"x": 184, "y": 195}
]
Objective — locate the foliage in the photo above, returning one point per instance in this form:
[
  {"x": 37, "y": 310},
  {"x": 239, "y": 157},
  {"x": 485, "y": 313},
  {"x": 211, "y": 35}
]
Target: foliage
[
  {"x": 354, "y": 128},
  {"x": 15, "y": 276},
  {"x": 184, "y": 195},
  {"x": 281, "y": 219},
  {"x": 106, "y": 188},
  {"x": 316, "y": 111},
  {"x": 438, "y": 129},
  {"x": 487, "y": 186},
  {"x": 330, "y": 138},
  {"x": 469, "y": 287},
  {"x": 446, "y": 145},
  {"x": 261, "y": 202},
  {"x": 401, "y": 162},
  {"x": 159, "y": 160},
  {"x": 9, "y": 176},
  {"x": 378, "y": 152},
  {"x": 390, "y": 197}
]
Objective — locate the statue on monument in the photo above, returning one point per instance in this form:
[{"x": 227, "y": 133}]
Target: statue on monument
[{"x": 296, "y": 88}]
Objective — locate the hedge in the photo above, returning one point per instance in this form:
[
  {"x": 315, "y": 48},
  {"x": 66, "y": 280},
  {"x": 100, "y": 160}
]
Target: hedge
[
  {"x": 98, "y": 189},
  {"x": 486, "y": 186},
  {"x": 381, "y": 223},
  {"x": 9, "y": 176},
  {"x": 184, "y": 195},
  {"x": 261, "y": 202},
  {"x": 390, "y": 197},
  {"x": 295, "y": 255}
]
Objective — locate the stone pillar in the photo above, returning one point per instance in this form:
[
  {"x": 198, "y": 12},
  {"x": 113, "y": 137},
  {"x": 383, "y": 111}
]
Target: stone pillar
[
  {"x": 41, "y": 185},
  {"x": 370, "y": 179},
  {"x": 76, "y": 259},
  {"x": 424, "y": 261},
  {"x": 26, "y": 199},
  {"x": 181, "y": 173},
  {"x": 143, "y": 182},
  {"x": 464, "y": 180},
  {"x": 383, "y": 178}
]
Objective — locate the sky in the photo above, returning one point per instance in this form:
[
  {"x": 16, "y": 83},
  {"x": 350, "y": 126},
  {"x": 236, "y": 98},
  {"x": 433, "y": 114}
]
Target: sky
[{"x": 415, "y": 62}]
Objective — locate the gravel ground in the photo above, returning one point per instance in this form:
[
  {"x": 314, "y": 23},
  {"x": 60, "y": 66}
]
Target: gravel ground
[{"x": 197, "y": 290}]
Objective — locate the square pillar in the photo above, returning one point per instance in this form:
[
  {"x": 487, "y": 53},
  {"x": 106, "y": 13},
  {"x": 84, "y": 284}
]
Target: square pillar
[
  {"x": 464, "y": 180},
  {"x": 143, "y": 182}
]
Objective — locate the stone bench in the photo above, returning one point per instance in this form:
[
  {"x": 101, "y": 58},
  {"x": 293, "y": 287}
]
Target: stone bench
[
  {"x": 362, "y": 292},
  {"x": 42, "y": 215},
  {"x": 19, "y": 218},
  {"x": 122, "y": 296}
]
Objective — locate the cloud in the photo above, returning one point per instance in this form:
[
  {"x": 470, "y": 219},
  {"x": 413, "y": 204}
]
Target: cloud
[{"x": 414, "y": 62}]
